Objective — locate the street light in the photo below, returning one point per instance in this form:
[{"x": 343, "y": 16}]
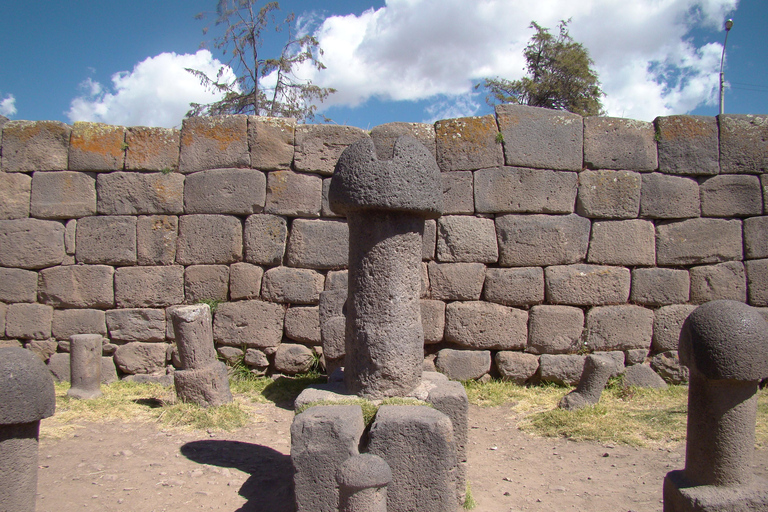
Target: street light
[{"x": 728, "y": 26}]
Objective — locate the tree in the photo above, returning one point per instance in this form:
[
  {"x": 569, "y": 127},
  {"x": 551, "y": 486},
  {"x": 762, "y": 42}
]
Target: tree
[
  {"x": 291, "y": 96},
  {"x": 560, "y": 76}
]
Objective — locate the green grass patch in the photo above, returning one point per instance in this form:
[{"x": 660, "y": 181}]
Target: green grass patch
[
  {"x": 469, "y": 500},
  {"x": 226, "y": 417}
]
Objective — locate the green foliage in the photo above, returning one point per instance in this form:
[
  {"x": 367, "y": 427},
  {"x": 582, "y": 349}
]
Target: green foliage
[
  {"x": 244, "y": 24},
  {"x": 212, "y": 303},
  {"x": 499, "y": 138},
  {"x": 560, "y": 76},
  {"x": 469, "y": 500},
  {"x": 166, "y": 170}
]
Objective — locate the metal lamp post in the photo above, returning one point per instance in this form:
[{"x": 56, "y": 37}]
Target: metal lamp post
[{"x": 728, "y": 26}]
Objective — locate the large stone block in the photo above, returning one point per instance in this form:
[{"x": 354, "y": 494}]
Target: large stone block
[
  {"x": 152, "y": 149},
  {"x": 233, "y": 191},
  {"x": 108, "y": 240},
  {"x": 614, "y": 143},
  {"x": 15, "y": 192},
  {"x": 433, "y": 320},
  {"x": 540, "y": 137},
  {"x": 62, "y": 195},
  {"x": 318, "y": 244},
  {"x": 697, "y": 241},
  {"x": 667, "y": 323},
  {"x": 96, "y": 147},
  {"x": 77, "y": 286},
  {"x": 483, "y": 325},
  {"x": 245, "y": 281},
  {"x": 586, "y": 285},
  {"x": 522, "y": 286},
  {"x": 140, "y": 324},
  {"x": 385, "y": 135},
  {"x": 757, "y": 282},
  {"x": 623, "y": 327},
  {"x": 325, "y": 209},
  {"x": 517, "y": 367},
  {"x": 756, "y": 238},
  {"x": 35, "y": 146},
  {"x": 31, "y": 243},
  {"x": 67, "y": 322},
  {"x": 539, "y": 240},
  {"x": 463, "y": 364},
  {"x": 209, "y": 239},
  {"x": 722, "y": 281},
  {"x": 462, "y": 238},
  {"x": 215, "y": 142},
  {"x": 156, "y": 237},
  {"x": 294, "y": 194},
  {"x": 206, "y": 282},
  {"x": 264, "y": 238},
  {"x": 292, "y": 285},
  {"x": 455, "y": 281},
  {"x": 743, "y": 143},
  {"x": 468, "y": 143},
  {"x": 623, "y": 242},
  {"x": 429, "y": 240},
  {"x": 17, "y": 285},
  {"x": 302, "y": 324},
  {"x": 669, "y": 197},
  {"x": 319, "y": 146},
  {"x": 270, "y": 140},
  {"x": 515, "y": 190},
  {"x": 149, "y": 287},
  {"x": 251, "y": 323},
  {"x": 688, "y": 145},
  {"x": 28, "y": 321},
  {"x": 291, "y": 358},
  {"x": 659, "y": 286},
  {"x": 555, "y": 329},
  {"x": 137, "y": 358},
  {"x": 609, "y": 194},
  {"x": 132, "y": 193},
  {"x": 731, "y": 195},
  {"x": 563, "y": 369},
  {"x": 458, "y": 192}
]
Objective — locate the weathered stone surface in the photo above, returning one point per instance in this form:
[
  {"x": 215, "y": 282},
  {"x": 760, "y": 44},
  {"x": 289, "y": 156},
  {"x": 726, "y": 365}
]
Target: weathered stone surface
[
  {"x": 156, "y": 237},
  {"x": 77, "y": 286},
  {"x": 385, "y": 135},
  {"x": 659, "y": 286},
  {"x": 429, "y": 240},
  {"x": 318, "y": 244},
  {"x": 67, "y": 322},
  {"x": 516, "y": 190},
  {"x": 594, "y": 377},
  {"x": 468, "y": 143},
  {"x": 622, "y": 242},
  {"x": 28, "y": 321},
  {"x": 514, "y": 286},
  {"x": 458, "y": 192},
  {"x": 294, "y": 194},
  {"x": 614, "y": 143},
  {"x": 207, "y": 386},
  {"x": 517, "y": 367},
  {"x": 141, "y": 358},
  {"x": 35, "y": 146},
  {"x": 270, "y": 140},
  {"x": 609, "y": 194},
  {"x": 147, "y": 325},
  {"x": 31, "y": 243},
  {"x": 265, "y": 237},
  {"x": 230, "y": 355},
  {"x": 245, "y": 281},
  {"x": 756, "y": 237},
  {"x": 698, "y": 241},
  {"x": 688, "y": 145},
  {"x": 722, "y": 281},
  {"x": 757, "y": 282},
  {"x": 292, "y": 358},
  {"x": 636, "y": 356},
  {"x": 433, "y": 320},
  {"x": 764, "y": 183},
  {"x": 44, "y": 349},
  {"x": 456, "y": 281},
  {"x": 193, "y": 333},
  {"x": 555, "y": 329},
  {"x": 255, "y": 358},
  {"x": 251, "y": 323},
  {"x": 731, "y": 195},
  {"x": 483, "y": 325},
  {"x": 62, "y": 195},
  {"x": 203, "y": 282},
  {"x": 325, "y": 209},
  {"x": 15, "y": 191},
  {"x": 564, "y": 369},
  {"x": 541, "y": 138},
  {"x": 132, "y": 193},
  {"x": 667, "y": 322},
  {"x": 149, "y": 287},
  {"x": 363, "y": 481},
  {"x": 333, "y": 322},
  {"x": 462, "y": 238},
  {"x": 58, "y": 364},
  {"x": 319, "y": 146},
  {"x": 619, "y": 327},
  {"x": 302, "y": 324},
  {"x": 585, "y": 285},
  {"x": 3, "y": 311},
  {"x": 669, "y": 197},
  {"x": 667, "y": 365},
  {"x": 152, "y": 149},
  {"x": 338, "y": 279},
  {"x": 96, "y": 147},
  {"x": 17, "y": 285},
  {"x": 215, "y": 142},
  {"x": 232, "y": 191},
  {"x": 743, "y": 143},
  {"x": 85, "y": 366},
  {"x": 209, "y": 239},
  {"x": 463, "y": 364},
  {"x": 70, "y": 232},
  {"x": 539, "y": 240},
  {"x": 292, "y": 285},
  {"x": 108, "y": 240},
  {"x": 643, "y": 376}
]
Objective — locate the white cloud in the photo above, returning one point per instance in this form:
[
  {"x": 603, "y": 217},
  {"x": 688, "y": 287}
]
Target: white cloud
[
  {"x": 156, "y": 93},
  {"x": 425, "y": 49},
  {"x": 8, "y": 106}
]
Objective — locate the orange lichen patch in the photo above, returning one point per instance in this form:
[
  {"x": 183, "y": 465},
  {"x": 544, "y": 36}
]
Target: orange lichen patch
[
  {"x": 685, "y": 127},
  {"x": 471, "y": 133},
  {"x": 222, "y": 131},
  {"x": 152, "y": 148},
  {"x": 164, "y": 193},
  {"x": 278, "y": 182},
  {"x": 98, "y": 138},
  {"x": 27, "y": 131}
]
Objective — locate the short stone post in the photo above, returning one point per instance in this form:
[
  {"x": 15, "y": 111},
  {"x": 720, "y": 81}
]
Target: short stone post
[
  {"x": 203, "y": 379},
  {"x": 725, "y": 346},
  {"x": 26, "y": 388},
  {"x": 386, "y": 203},
  {"x": 597, "y": 370},
  {"x": 85, "y": 366},
  {"x": 363, "y": 481}
]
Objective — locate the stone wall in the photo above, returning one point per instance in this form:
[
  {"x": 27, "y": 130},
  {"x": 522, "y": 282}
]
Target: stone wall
[{"x": 561, "y": 235}]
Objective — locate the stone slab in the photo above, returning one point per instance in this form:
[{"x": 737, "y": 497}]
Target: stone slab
[
  {"x": 265, "y": 238},
  {"x": 209, "y": 239},
  {"x": 138, "y": 324},
  {"x": 660, "y": 286},
  {"x": 698, "y": 241},
  {"x": 149, "y": 287},
  {"x": 227, "y": 191},
  {"x": 743, "y": 143},
  {"x": 318, "y": 147},
  {"x": 152, "y": 149},
  {"x": 77, "y": 286},
  {"x": 555, "y": 329},
  {"x": 688, "y": 145},
  {"x": 15, "y": 192},
  {"x": 731, "y": 195},
  {"x": 140, "y": 193},
  {"x": 608, "y": 194},
  {"x": 213, "y": 142},
  {"x": 463, "y": 365},
  {"x": 456, "y": 281},
  {"x": 31, "y": 243},
  {"x": 669, "y": 197},
  {"x": 318, "y": 244},
  {"x": 156, "y": 237},
  {"x": 517, "y": 190},
  {"x": 614, "y": 143},
  {"x": 251, "y": 323},
  {"x": 462, "y": 238},
  {"x": 62, "y": 195},
  {"x": 106, "y": 240},
  {"x": 523, "y": 286},
  {"x": 721, "y": 281},
  {"x": 623, "y": 327},
  {"x": 271, "y": 142},
  {"x": 96, "y": 147},
  {"x": 517, "y": 367},
  {"x": 622, "y": 242},
  {"x": 468, "y": 143},
  {"x": 540, "y": 240},
  {"x": 17, "y": 285},
  {"x": 585, "y": 285},
  {"x": 206, "y": 282},
  {"x": 35, "y": 146},
  {"x": 484, "y": 325}
]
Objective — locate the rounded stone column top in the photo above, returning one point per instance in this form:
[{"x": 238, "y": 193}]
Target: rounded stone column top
[
  {"x": 26, "y": 387},
  {"x": 409, "y": 182},
  {"x": 726, "y": 340},
  {"x": 364, "y": 471}
]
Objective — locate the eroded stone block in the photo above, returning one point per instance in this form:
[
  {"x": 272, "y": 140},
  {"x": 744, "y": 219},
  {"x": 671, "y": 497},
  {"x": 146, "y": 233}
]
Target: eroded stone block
[
  {"x": 245, "y": 281},
  {"x": 318, "y": 244},
  {"x": 516, "y": 190},
  {"x": 522, "y": 286},
  {"x": 540, "y": 240},
  {"x": 96, "y": 147},
  {"x": 669, "y": 197},
  {"x": 468, "y": 143},
  {"x": 108, "y": 240},
  {"x": 464, "y": 238},
  {"x": 722, "y": 281},
  {"x": 35, "y": 146},
  {"x": 614, "y": 143},
  {"x": 232, "y": 191},
  {"x": 62, "y": 195},
  {"x": 555, "y": 329},
  {"x": 31, "y": 243},
  {"x": 319, "y": 146},
  {"x": 265, "y": 237},
  {"x": 251, "y": 323},
  {"x": 463, "y": 365},
  {"x": 270, "y": 140},
  {"x": 622, "y": 327},
  {"x": 731, "y": 195},
  {"x": 132, "y": 193},
  {"x": 156, "y": 237},
  {"x": 206, "y": 282},
  {"x": 698, "y": 241},
  {"x": 15, "y": 191},
  {"x": 585, "y": 285},
  {"x": 77, "y": 286},
  {"x": 456, "y": 281},
  {"x": 517, "y": 367},
  {"x": 209, "y": 239},
  {"x": 688, "y": 145},
  {"x": 609, "y": 194},
  {"x": 28, "y": 321},
  {"x": 214, "y": 142},
  {"x": 152, "y": 149},
  {"x": 659, "y": 286},
  {"x": 292, "y": 285},
  {"x": 623, "y": 242},
  {"x": 484, "y": 325},
  {"x": 17, "y": 285},
  {"x": 743, "y": 143},
  {"x": 149, "y": 287}
]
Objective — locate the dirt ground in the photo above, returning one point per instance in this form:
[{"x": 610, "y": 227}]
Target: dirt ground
[{"x": 141, "y": 467}]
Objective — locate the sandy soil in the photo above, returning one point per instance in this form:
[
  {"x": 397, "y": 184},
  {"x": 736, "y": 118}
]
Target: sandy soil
[{"x": 141, "y": 467}]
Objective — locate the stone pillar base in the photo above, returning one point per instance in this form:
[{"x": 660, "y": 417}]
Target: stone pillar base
[
  {"x": 680, "y": 496},
  {"x": 208, "y": 387}
]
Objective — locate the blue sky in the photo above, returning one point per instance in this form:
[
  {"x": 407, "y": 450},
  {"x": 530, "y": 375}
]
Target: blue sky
[{"x": 390, "y": 60}]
